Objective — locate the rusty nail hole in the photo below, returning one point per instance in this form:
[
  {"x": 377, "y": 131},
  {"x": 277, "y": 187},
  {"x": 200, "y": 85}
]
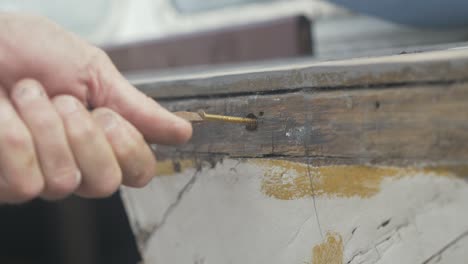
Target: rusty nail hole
[
  {"x": 177, "y": 167},
  {"x": 251, "y": 126},
  {"x": 260, "y": 113},
  {"x": 377, "y": 104}
]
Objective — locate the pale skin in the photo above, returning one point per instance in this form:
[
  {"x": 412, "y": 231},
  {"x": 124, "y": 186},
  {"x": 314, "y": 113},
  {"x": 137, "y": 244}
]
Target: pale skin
[{"x": 51, "y": 143}]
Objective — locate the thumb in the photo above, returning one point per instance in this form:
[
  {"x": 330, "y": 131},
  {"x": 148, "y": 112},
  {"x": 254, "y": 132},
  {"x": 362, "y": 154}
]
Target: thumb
[{"x": 157, "y": 124}]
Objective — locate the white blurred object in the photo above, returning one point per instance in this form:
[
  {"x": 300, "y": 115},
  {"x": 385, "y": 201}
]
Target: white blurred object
[
  {"x": 191, "y": 6},
  {"x": 337, "y": 32},
  {"x": 96, "y": 20},
  {"x": 147, "y": 19},
  {"x": 113, "y": 21},
  {"x": 173, "y": 22}
]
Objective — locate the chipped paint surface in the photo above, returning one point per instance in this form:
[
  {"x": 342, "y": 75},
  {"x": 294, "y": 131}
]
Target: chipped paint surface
[
  {"x": 224, "y": 216},
  {"x": 287, "y": 180},
  {"x": 296, "y": 133},
  {"x": 330, "y": 251}
]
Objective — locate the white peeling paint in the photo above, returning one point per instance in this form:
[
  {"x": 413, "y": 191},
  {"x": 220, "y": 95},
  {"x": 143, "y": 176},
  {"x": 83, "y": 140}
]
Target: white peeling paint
[{"x": 225, "y": 218}]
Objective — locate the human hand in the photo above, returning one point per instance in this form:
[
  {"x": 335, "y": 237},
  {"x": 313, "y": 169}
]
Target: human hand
[{"x": 50, "y": 145}]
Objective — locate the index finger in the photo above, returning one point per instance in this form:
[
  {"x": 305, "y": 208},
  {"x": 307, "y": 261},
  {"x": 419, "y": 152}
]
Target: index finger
[{"x": 157, "y": 124}]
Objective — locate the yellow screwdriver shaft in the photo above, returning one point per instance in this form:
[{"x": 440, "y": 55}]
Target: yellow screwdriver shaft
[
  {"x": 227, "y": 119},
  {"x": 202, "y": 116}
]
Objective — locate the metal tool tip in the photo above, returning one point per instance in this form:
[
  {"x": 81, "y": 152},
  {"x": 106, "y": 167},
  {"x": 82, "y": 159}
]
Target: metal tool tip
[{"x": 202, "y": 113}]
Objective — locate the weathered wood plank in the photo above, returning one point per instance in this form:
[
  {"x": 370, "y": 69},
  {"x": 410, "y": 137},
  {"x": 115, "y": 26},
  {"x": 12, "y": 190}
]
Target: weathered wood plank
[
  {"x": 358, "y": 161},
  {"x": 439, "y": 66},
  {"x": 424, "y": 123},
  {"x": 286, "y": 37}
]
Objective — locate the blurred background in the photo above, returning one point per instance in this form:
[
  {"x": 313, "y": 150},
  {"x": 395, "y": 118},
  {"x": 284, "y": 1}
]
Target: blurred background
[
  {"x": 163, "y": 37},
  {"x": 340, "y": 28}
]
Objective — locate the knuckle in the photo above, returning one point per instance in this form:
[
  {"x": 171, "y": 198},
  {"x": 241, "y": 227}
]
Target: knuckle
[
  {"x": 62, "y": 183},
  {"x": 66, "y": 105},
  {"x": 97, "y": 59},
  {"x": 141, "y": 174},
  {"x": 139, "y": 180},
  {"x": 85, "y": 131},
  {"x": 45, "y": 121},
  {"x": 65, "y": 99},
  {"x": 25, "y": 190},
  {"x": 101, "y": 73},
  {"x": 16, "y": 139},
  {"x": 101, "y": 110},
  {"x": 26, "y": 91},
  {"x": 109, "y": 184},
  {"x": 106, "y": 119},
  {"x": 127, "y": 151}
]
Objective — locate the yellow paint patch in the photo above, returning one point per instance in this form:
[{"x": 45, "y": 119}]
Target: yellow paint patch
[
  {"x": 330, "y": 251},
  {"x": 287, "y": 180},
  {"x": 171, "y": 167}
]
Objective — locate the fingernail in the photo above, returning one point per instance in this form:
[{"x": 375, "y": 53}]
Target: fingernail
[
  {"x": 28, "y": 92},
  {"x": 66, "y": 105},
  {"x": 183, "y": 131},
  {"x": 107, "y": 120},
  {"x": 78, "y": 177},
  {"x": 182, "y": 124}
]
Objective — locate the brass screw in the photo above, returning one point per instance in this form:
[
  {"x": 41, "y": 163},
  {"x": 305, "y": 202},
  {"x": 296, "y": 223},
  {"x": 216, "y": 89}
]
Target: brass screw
[
  {"x": 228, "y": 119},
  {"x": 250, "y": 121}
]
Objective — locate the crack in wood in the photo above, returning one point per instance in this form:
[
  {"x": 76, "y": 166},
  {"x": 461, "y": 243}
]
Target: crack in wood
[
  {"x": 447, "y": 246},
  {"x": 153, "y": 230},
  {"x": 314, "y": 201},
  {"x": 350, "y": 237},
  {"x": 373, "y": 247},
  {"x": 298, "y": 231},
  {"x": 320, "y": 89},
  {"x": 307, "y": 127}
]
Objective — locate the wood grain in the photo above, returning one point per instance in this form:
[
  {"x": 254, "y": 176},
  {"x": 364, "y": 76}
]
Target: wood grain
[
  {"x": 306, "y": 74},
  {"x": 405, "y": 124}
]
